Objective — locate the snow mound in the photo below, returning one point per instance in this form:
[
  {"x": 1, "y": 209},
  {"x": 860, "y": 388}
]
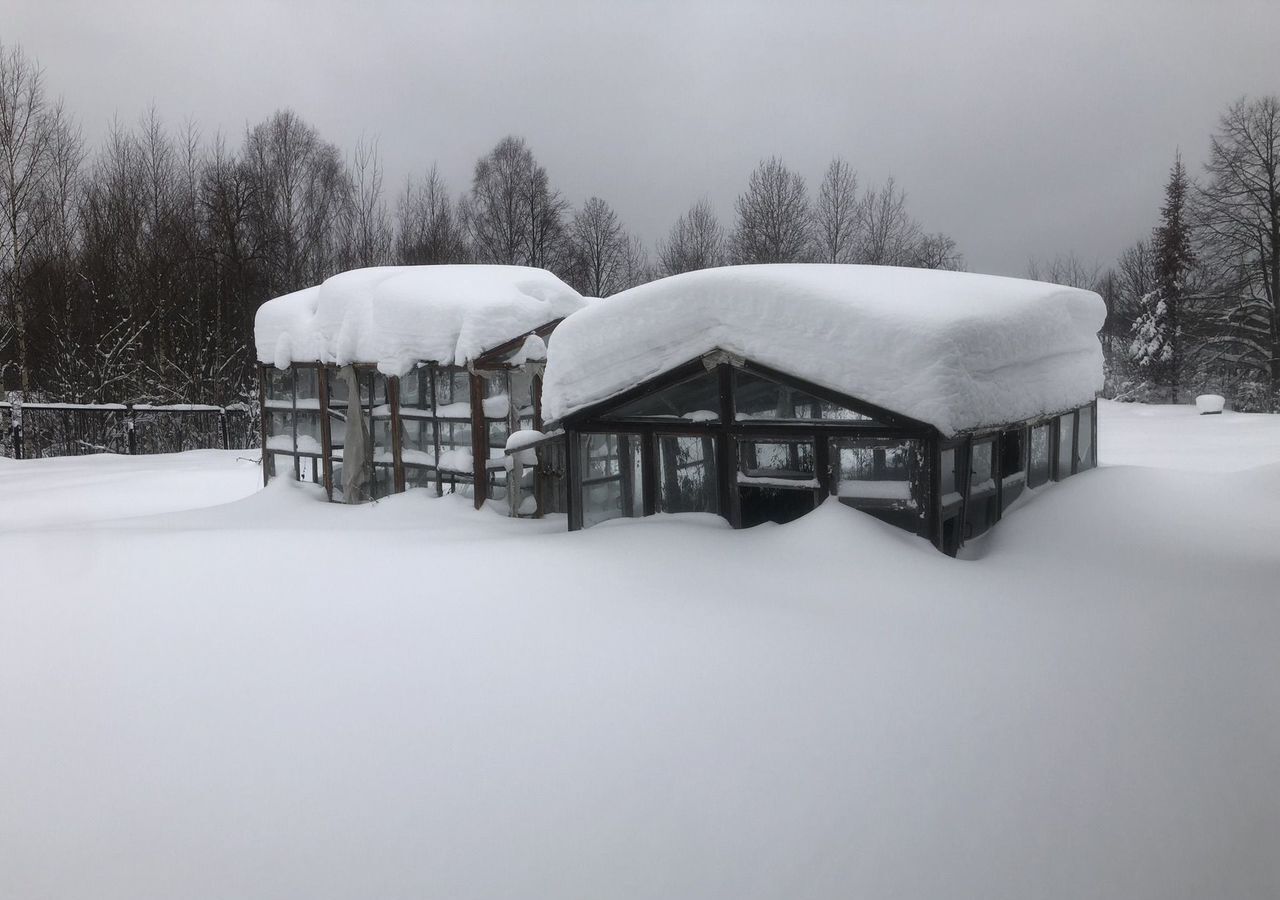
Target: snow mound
[
  {"x": 953, "y": 349},
  {"x": 395, "y": 316}
]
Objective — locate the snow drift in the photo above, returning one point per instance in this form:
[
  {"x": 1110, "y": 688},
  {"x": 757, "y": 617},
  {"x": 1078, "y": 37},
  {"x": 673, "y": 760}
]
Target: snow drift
[
  {"x": 954, "y": 349},
  {"x": 395, "y": 316}
]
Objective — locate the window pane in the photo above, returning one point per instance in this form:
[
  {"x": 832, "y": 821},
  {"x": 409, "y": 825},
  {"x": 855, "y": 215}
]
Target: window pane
[
  {"x": 762, "y": 462},
  {"x": 1065, "y": 451},
  {"x": 947, "y": 478},
  {"x": 874, "y": 474},
  {"x": 686, "y": 474},
  {"x": 309, "y": 432},
  {"x": 981, "y": 513},
  {"x": 980, "y": 468},
  {"x": 280, "y": 384},
  {"x": 756, "y": 397},
  {"x": 308, "y": 387},
  {"x": 1085, "y": 454},
  {"x": 697, "y": 400},
  {"x": 611, "y": 477},
  {"x": 1038, "y": 472}
]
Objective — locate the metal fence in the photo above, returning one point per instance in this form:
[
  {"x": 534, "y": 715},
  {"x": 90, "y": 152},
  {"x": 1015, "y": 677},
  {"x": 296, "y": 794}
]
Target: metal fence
[{"x": 33, "y": 430}]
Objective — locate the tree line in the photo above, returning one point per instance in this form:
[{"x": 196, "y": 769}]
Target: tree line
[
  {"x": 132, "y": 271},
  {"x": 1194, "y": 307}
]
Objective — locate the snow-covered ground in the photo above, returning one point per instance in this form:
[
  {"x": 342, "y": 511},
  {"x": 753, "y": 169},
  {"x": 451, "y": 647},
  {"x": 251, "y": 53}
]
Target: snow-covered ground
[{"x": 211, "y": 691}]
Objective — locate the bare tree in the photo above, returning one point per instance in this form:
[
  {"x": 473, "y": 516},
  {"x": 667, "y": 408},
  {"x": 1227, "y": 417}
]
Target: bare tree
[
  {"x": 429, "y": 227},
  {"x": 513, "y": 215},
  {"x": 28, "y": 124},
  {"x": 937, "y": 251},
  {"x": 1239, "y": 219},
  {"x": 1067, "y": 269},
  {"x": 635, "y": 263},
  {"x": 599, "y": 251},
  {"x": 366, "y": 227},
  {"x": 696, "y": 241},
  {"x": 299, "y": 194},
  {"x": 888, "y": 235},
  {"x": 836, "y": 214},
  {"x": 774, "y": 219}
]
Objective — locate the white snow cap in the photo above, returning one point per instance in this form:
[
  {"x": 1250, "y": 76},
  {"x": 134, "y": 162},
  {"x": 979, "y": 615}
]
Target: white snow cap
[
  {"x": 953, "y": 349},
  {"x": 395, "y": 316}
]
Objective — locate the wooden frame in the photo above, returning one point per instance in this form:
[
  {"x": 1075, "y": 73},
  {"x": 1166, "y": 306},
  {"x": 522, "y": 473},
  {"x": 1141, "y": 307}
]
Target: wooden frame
[{"x": 887, "y": 425}]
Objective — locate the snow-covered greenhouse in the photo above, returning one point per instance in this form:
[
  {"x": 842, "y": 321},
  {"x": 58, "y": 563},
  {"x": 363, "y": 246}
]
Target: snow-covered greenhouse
[
  {"x": 928, "y": 399},
  {"x": 386, "y": 378}
]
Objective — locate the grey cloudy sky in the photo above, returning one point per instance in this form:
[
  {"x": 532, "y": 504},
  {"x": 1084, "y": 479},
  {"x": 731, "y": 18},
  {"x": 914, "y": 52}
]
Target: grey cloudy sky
[{"x": 1021, "y": 128}]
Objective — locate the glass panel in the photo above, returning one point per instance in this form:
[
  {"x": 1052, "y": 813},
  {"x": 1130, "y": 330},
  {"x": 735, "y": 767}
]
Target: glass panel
[
  {"x": 337, "y": 389},
  {"x": 1084, "y": 456},
  {"x": 382, "y": 450},
  {"x": 948, "y": 491},
  {"x": 1066, "y": 451},
  {"x": 776, "y": 463},
  {"x": 686, "y": 474},
  {"x": 697, "y": 400},
  {"x": 417, "y": 446},
  {"x": 309, "y": 432},
  {"x": 280, "y": 431},
  {"x": 981, "y": 478},
  {"x": 980, "y": 514},
  {"x": 760, "y": 398},
  {"x": 874, "y": 473},
  {"x": 1038, "y": 467},
  {"x": 1013, "y": 464},
  {"x": 611, "y": 477},
  {"x": 279, "y": 385},
  {"x": 308, "y": 388},
  {"x": 1012, "y": 457}
]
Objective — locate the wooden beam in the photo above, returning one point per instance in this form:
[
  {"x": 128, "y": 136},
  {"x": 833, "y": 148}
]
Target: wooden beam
[
  {"x": 262, "y": 423},
  {"x": 479, "y": 442},
  {"x": 326, "y": 431},
  {"x": 397, "y": 452}
]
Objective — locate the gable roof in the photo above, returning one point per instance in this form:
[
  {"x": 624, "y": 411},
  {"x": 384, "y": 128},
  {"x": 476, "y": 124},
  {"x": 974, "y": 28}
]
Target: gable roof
[
  {"x": 395, "y": 316},
  {"x": 953, "y": 349}
]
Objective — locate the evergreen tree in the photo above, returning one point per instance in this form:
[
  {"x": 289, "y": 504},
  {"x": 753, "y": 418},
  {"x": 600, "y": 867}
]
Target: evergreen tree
[{"x": 1157, "y": 346}]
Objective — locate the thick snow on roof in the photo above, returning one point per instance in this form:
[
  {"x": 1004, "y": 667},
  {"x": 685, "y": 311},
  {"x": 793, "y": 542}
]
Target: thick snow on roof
[
  {"x": 953, "y": 349},
  {"x": 395, "y": 316}
]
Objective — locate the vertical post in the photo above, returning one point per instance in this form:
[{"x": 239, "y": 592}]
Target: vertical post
[
  {"x": 435, "y": 431},
  {"x": 130, "y": 430},
  {"x": 572, "y": 481},
  {"x": 822, "y": 465},
  {"x": 1093, "y": 444},
  {"x": 15, "y": 423},
  {"x": 397, "y": 451},
  {"x": 933, "y": 451},
  {"x": 326, "y": 429},
  {"x": 649, "y": 471},
  {"x": 479, "y": 442},
  {"x": 262, "y": 423},
  {"x": 727, "y": 450},
  {"x": 222, "y": 428}
]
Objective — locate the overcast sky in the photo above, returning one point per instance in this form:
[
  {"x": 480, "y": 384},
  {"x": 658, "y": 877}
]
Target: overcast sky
[{"x": 1022, "y": 128}]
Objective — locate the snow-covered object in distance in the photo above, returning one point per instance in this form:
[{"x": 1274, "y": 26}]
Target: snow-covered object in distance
[
  {"x": 395, "y": 316},
  {"x": 954, "y": 349},
  {"x": 1210, "y": 404}
]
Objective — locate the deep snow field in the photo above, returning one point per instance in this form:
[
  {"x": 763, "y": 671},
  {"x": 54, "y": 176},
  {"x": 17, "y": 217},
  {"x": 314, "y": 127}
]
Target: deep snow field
[{"x": 212, "y": 691}]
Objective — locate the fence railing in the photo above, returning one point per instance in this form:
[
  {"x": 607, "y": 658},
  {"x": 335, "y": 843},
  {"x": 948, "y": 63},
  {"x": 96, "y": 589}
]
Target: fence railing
[{"x": 32, "y": 430}]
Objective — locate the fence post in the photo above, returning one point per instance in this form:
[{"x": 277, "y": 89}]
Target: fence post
[
  {"x": 15, "y": 423},
  {"x": 222, "y": 425},
  {"x": 128, "y": 429}
]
